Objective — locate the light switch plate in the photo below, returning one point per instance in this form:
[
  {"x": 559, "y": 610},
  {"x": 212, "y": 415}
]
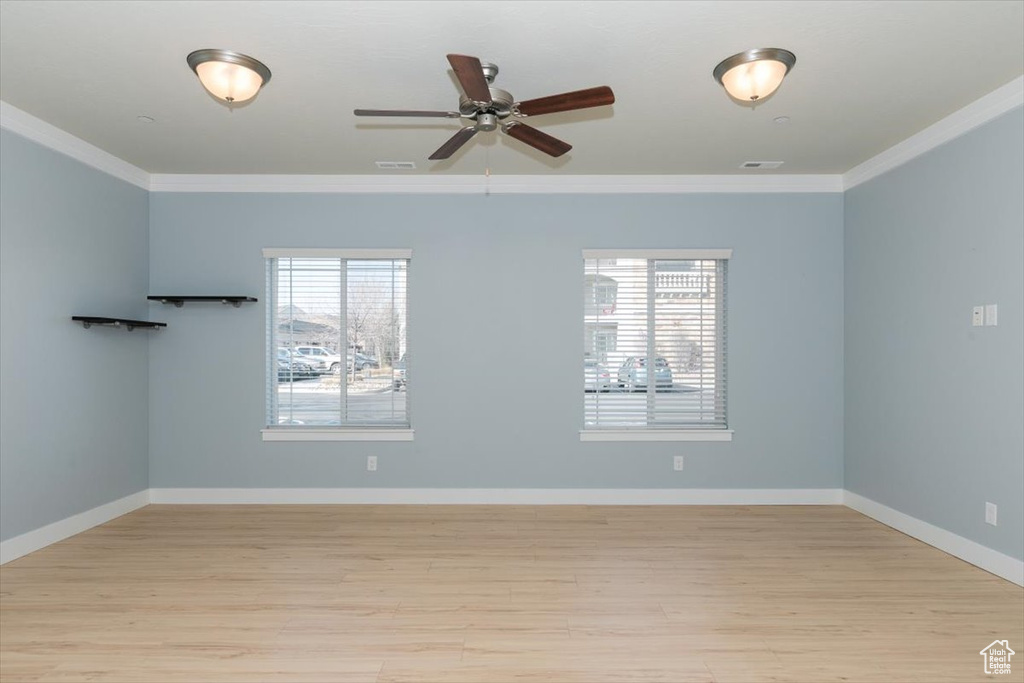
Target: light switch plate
[
  {"x": 991, "y": 314},
  {"x": 978, "y": 316}
]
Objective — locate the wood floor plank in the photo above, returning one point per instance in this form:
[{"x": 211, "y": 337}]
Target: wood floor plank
[{"x": 394, "y": 594}]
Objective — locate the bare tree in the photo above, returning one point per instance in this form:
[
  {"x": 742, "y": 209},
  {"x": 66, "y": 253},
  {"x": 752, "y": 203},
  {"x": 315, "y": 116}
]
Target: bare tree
[
  {"x": 360, "y": 313},
  {"x": 385, "y": 333},
  {"x": 376, "y": 315}
]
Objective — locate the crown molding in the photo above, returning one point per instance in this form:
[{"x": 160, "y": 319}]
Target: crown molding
[
  {"x": 511, "y": 184},
  {"x": 970, "y": 117},
  {"x": 979, "y": 112},
  {"x": 47, "y": 135}
]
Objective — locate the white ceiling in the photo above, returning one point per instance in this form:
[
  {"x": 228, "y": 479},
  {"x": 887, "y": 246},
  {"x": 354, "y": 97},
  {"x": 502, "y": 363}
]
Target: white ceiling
[{"x": 868, "y": 75}]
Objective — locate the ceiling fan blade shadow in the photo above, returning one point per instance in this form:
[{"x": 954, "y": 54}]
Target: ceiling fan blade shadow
[
  {"x": 471, "y": 77},
  {"x": 568, "y": 101},
  {"x": 407, "y": 112},
  {"x": 537, "y": 139},
  {"x": 454, "y": 143}
]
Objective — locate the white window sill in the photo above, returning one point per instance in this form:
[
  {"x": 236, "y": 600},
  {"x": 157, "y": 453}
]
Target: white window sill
[
  {"x": 337, "y": 434},
  {"x": 656, "y": 435}
]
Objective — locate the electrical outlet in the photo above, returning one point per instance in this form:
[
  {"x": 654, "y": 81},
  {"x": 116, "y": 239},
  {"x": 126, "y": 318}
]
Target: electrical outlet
[
  {"x": 371, "y": 463},
  {"x": 990, "y": 513},
  {"x": 977, "y": 316},
  {"x": 677, "y": 463}
]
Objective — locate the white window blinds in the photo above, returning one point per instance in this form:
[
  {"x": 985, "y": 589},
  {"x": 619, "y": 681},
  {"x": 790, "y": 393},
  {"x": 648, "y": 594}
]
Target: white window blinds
[
  {"x": 654, "y": 353},
  {"x": 336, "y": 338}
]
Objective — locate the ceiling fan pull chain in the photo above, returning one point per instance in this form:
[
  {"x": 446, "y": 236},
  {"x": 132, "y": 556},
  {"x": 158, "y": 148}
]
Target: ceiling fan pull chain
[{"x": 487, "y": 171}]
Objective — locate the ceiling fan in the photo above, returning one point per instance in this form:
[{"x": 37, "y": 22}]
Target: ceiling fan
[{"x": 490, "y": 107}]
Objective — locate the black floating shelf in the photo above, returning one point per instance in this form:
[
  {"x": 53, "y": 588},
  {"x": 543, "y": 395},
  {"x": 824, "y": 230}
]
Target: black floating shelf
[
  {"x": 88, "y": 321},
  {"x": 179, "y": 301}
]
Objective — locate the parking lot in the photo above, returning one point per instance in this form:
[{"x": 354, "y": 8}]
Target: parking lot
[{"x": 318, "y": 401}]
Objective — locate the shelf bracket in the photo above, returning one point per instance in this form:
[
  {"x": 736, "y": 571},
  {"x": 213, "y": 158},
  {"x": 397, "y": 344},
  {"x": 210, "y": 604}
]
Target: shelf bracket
[{"x": 180, "y": 301}]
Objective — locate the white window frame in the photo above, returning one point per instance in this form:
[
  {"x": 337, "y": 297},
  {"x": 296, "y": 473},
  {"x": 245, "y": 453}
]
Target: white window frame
[
  {"x": 343, "y": 433},
  {"x": 639, "y": 434}
]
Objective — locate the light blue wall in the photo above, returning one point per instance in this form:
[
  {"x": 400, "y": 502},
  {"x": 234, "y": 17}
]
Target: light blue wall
[
  {"x": 73, "y": 402},
  {"x": 496, "y": 339},
  {"x": 934, "y": 406}
]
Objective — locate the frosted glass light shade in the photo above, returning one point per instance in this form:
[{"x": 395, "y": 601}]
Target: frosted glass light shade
[
  {"x": 755, "y": 74},
  {"x": 229, "y": 76},
  {"x": 755, "y": 80}
]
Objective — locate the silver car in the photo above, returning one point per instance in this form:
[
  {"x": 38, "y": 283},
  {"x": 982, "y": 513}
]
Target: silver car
[
  {"x": 292, "y": 366},
  {"x": 632, "y": 374},
  {"x": 320, "y": 358}
]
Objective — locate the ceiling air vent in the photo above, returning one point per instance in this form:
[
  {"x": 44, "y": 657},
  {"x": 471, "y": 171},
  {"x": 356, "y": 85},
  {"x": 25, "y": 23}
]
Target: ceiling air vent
[
  {"x": 401, "y": 165},
  {"x": 761, "y": 164}
]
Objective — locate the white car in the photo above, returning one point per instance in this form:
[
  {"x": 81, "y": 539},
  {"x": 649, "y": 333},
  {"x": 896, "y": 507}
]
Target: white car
[
  {"x": 323, "y": 358},
  {"x": 596, "y": 377}
]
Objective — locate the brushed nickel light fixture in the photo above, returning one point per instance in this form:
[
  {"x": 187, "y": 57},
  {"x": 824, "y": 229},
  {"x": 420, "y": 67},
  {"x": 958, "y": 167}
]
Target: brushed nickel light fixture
[
  {"x": 755, "y": 74},
  {"x": 231, "y": 77}
]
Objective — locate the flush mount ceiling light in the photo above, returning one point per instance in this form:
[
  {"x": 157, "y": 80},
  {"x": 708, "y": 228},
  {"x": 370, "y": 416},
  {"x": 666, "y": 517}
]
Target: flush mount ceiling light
[
  {"x": 755, "y": 74},
  {"x": 229, "y": 76}
]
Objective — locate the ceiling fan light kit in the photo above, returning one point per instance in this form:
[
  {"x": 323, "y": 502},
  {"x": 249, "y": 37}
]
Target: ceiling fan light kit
[
  {"x": 231, "y": 77},
  {"x": 491, "y": 108},
  {"x": 755, "y": 74}
]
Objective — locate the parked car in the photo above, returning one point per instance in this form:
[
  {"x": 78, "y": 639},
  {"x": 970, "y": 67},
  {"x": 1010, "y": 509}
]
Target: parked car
[
  {"x": 596, "y": 377},
  {"x": 398, "y": 374},
  {"x": 632, "y": 374},
  {"x": 322, "y": 358},
  {"x": 296, "y": 370},
  {"x": 362, "y": 361},
  {"x": 292, "y": 366}
]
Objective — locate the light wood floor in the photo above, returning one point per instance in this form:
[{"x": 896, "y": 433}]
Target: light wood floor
[{"x": 474, "y": 594}]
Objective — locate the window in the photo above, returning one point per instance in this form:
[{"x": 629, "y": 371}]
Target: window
[
  {"x": 336, "y": 344},
  {"x": 654, "y": 345}
]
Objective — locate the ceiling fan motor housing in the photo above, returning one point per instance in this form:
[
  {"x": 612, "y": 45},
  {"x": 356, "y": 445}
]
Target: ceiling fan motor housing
[{"x": 501, "y": 105}]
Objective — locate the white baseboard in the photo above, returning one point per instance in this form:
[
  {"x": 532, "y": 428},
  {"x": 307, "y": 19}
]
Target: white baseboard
[
  {"x": 988, "y": 559},
  {"x": 411, "y": 496},
  {"x": 34, "y": 540}
]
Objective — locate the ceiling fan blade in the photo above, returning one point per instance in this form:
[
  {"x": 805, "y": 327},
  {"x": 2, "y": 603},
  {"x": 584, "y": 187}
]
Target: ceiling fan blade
[
  {"x": 537, "y": 139},
  {"x": 568, "y": 101},
  {"x": 454, "y": 143},
  {"x": 471, "y": 76},
  {"x": 407, "y": 112}
]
